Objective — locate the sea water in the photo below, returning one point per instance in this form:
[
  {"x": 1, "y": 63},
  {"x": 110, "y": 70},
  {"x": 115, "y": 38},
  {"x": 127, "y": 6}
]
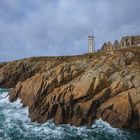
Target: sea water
[{"x": 16, "y": 125}]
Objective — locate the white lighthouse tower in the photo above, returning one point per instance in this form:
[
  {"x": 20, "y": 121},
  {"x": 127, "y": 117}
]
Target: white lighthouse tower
[{"x": 91, "y": 43}]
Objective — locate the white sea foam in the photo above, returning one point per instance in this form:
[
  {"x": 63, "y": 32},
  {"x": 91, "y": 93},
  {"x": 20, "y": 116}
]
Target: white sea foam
[{"x": 17, "y": 124}]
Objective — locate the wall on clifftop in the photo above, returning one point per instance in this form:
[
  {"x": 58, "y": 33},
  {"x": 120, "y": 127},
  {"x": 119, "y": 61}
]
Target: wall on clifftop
[{"x": 127, "y": 41}]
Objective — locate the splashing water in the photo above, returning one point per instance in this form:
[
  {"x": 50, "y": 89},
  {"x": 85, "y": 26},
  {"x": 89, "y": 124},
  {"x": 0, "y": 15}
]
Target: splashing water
[{"x": 15, "y": 125}]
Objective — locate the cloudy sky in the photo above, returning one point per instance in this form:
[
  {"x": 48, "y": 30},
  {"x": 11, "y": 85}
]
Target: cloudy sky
[{"x": 60, "y": 27}]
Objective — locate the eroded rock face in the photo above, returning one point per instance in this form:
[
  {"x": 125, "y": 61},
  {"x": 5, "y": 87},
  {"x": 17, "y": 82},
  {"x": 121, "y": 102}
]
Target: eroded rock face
[{"x": 79, "y": 90}]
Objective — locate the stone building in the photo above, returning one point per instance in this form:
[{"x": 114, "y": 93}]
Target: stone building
[
  {"x": 127, "y": 41},
  {"x": 104, "y": 47},
  {"x": 136, "y": 41},
  {"x": 107, "y": 47},
  {"x": 116, "y": 45},
  {"x": 110, "y": 46}
]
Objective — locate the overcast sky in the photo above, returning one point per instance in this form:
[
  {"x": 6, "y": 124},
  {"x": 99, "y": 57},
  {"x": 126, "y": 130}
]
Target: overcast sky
[{"x": 60, "y": 27}]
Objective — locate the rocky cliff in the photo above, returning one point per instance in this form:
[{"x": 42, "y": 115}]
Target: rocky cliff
[{"x": 78, "y": 89}]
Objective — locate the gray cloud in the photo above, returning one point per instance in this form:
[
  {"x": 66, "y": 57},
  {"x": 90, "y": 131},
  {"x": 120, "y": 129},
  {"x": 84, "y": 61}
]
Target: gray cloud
[{"x": 60, "y": 27}]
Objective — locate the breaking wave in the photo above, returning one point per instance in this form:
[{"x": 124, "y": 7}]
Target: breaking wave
[{"x": 15, "y": 125}]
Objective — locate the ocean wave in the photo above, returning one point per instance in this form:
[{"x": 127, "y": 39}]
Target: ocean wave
[{"x": 16, "y": 125}]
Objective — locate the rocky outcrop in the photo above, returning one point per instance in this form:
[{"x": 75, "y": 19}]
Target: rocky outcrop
[{"x": 78, "y": 89}]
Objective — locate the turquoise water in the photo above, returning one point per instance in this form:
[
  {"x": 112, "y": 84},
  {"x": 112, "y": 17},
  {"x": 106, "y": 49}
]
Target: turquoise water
[{"x": 15, "y": 125}]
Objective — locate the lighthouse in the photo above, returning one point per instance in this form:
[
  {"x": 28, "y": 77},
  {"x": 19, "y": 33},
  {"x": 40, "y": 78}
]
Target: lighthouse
[{"x": 91, "y": 43}]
